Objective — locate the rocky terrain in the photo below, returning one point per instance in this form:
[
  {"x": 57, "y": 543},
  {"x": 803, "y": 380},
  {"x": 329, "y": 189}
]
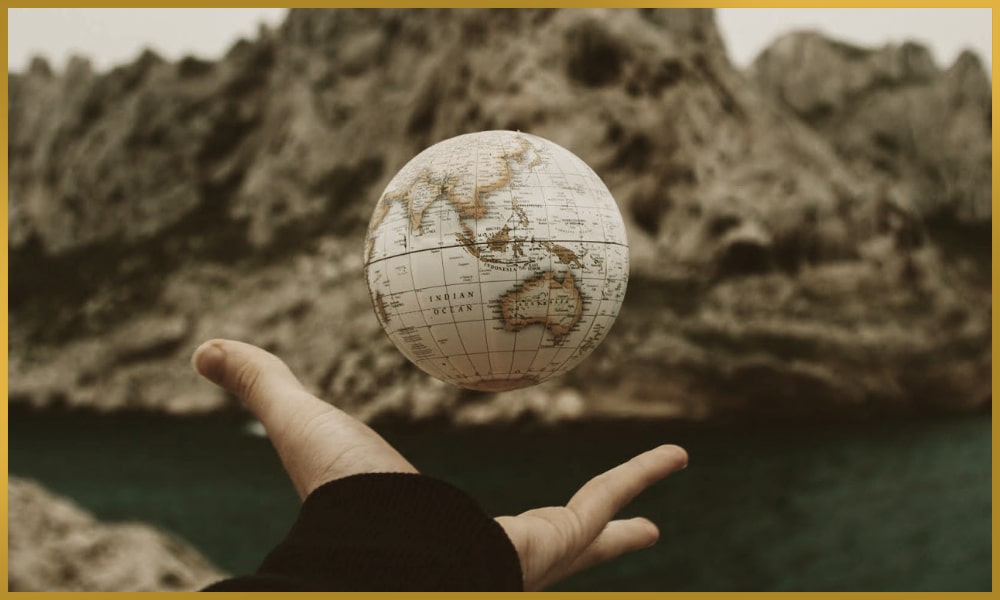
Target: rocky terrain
[
  {"x": 55, "y": 546},
  {"x": 891, "y": 112},
  {"x": 810, "y": 238}
]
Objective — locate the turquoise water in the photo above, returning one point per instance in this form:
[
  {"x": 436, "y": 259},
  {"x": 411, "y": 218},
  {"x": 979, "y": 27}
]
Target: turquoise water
[{"x": 890, "y": 506}]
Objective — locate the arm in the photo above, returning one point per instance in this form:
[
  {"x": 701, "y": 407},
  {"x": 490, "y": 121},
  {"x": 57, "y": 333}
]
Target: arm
[
  {"x": 388, "y": 532},
  {"x": 370, "y": 521}
]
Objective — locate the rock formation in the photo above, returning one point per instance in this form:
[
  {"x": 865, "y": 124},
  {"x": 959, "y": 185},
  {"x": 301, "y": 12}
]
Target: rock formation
[
  {"x": 787, "y": 258},
  {"x": 55, "y": 546},
  {"x": 893, "y": 113}
]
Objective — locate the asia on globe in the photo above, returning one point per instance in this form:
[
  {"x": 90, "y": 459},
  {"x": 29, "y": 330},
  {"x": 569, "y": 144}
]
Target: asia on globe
[{"x": 496, "y": 260}]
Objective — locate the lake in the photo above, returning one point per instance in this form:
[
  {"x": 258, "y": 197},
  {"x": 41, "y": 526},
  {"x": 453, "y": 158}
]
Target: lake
[{"x": 902, "y": 505}]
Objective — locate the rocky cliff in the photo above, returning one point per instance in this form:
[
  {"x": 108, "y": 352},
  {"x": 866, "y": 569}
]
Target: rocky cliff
[
  {"x": 892, "y": 113},
  {"x": 795, "y": 251},
  {"x": 55, "y": 546}
]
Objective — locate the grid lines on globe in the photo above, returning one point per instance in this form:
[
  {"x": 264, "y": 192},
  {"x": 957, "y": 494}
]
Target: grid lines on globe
[{"x": 496, "y": 260}]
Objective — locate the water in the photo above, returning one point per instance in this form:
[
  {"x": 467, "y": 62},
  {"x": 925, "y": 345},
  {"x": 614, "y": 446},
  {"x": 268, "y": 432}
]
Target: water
[{"x": 900, "y": 506}]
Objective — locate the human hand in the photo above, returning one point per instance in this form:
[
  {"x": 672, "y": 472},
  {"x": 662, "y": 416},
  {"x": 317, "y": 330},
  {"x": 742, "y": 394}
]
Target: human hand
[
  {"x": 318, "y": 442},
  {"x": 557, "y": 541}
]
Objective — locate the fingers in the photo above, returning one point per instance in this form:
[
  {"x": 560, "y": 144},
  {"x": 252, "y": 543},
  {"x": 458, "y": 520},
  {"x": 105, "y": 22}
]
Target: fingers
[
  {"x": 617, "y": 538},
  {"x": 555, "y": 542},
  {"x": 315, "y": 441},
  {"x": 597, "y": 502},
  {"x": 260, "y": 379}
]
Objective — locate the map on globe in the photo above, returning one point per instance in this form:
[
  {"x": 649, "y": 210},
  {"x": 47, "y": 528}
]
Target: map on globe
[{"x": 496, "y": 260}]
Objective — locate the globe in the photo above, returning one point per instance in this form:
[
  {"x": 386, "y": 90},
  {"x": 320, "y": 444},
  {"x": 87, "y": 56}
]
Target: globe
[{"x": 496, "y": 260}]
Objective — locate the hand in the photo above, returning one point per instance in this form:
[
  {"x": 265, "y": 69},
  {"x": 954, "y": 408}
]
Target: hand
[
  {"x": 318, "y": 442},
  {"x": 557, "y": 541}
]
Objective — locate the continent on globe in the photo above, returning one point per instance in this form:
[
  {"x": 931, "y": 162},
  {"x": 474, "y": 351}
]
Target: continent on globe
[
  {"x": 496, "y": 260},
  {"x": 546, "y": 301}
]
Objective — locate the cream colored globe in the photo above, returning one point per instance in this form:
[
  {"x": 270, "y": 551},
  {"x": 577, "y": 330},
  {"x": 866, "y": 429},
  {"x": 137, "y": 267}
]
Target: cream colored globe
[{"x": 496, "y": 260}]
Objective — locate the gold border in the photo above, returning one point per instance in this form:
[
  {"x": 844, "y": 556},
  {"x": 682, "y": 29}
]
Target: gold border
[
  {"x": 510, "y": 4},
  {"x": 3, "y": 369},
  {"x": 993, "y": 296},
  {"x": 520, "y": 4}
]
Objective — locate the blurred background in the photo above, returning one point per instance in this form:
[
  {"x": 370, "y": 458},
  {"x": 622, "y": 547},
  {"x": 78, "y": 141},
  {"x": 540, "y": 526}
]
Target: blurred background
[{"x": 808, "y": 202}]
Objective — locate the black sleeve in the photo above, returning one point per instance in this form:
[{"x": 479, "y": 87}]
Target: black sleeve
[{"x": 388, "y": 532}]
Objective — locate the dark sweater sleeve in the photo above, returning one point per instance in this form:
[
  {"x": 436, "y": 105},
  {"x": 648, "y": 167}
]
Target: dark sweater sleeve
[{"x": 388, "y": 532}]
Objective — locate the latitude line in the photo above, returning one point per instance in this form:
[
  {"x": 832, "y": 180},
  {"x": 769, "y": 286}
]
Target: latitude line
[{"x": 460, "y": 245}]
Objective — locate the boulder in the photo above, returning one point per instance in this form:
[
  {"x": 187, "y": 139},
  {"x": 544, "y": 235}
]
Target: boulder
[{"x": 53, "y": 545}]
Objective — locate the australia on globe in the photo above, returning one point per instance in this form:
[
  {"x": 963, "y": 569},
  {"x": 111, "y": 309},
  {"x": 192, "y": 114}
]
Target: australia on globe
[{"x": 496, "y": 260}]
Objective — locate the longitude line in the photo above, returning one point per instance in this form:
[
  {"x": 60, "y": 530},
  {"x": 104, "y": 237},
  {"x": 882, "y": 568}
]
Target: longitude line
[
  {"x": 517, "y": 275},
  {"x": 593, "y": 321},
  {"x": 479, "y": 278},
  {"x": 465, "y": 350},
  {"x": 541, "y": 193}
]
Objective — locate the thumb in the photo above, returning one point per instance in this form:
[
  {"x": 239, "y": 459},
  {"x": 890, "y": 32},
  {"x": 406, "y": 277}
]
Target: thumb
[
  {"x": 260, "y": 379},
  {"x": 316, "y": 441}
]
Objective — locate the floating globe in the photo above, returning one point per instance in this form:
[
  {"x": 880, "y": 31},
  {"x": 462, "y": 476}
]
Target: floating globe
[{"x": 496, "y": 260}]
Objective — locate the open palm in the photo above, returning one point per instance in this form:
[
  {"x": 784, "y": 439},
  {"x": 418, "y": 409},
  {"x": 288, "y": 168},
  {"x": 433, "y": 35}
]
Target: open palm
[{"x": 318, "y": 443}]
